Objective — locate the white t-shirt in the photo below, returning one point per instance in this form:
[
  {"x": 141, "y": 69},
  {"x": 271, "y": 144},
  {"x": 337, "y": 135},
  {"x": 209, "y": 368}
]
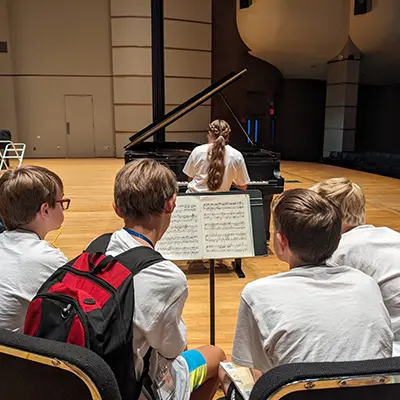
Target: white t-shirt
[
  {"x": 376, "y": 252},
  {"x": 197, "y": 164},
  {"x": 26, "y": 262},
  {"x": 311, "y": 314},
  {"x": 160, "y": 294}
]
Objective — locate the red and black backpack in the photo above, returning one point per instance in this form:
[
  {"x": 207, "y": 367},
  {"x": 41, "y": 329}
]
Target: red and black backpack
[{"x": 89, "y": 302}]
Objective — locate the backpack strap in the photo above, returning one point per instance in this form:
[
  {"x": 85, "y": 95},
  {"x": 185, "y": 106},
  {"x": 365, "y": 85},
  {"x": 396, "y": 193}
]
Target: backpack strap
[
  {"x": 139, "y": 258},
  {"x": 136, "y": 260},
  {"x": 145, "y": 380},
  {"x": 100, "y": 244}
]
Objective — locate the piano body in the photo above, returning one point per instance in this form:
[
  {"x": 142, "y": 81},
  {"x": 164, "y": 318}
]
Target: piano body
[{"x": 263, "y": 165}]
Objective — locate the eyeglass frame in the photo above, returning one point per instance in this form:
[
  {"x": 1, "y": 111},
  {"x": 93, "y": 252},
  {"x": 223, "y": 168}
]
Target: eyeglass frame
[{"x": 62, "y": 201}]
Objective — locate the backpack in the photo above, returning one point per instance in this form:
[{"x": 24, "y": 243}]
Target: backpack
[{"x": 89, "y": 302}]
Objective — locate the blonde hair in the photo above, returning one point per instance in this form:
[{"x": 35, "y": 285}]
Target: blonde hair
[
  {"x": 310, "y": 223},
  {"x": 218, "y": 131},
  {"x": 347, "y": 196},
  {"x": 23, "y": 191},
  {"x": 142, "y": 187}
]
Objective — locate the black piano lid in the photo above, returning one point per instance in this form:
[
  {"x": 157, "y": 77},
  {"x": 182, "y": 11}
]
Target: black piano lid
[{"x": 184, "y": 108}]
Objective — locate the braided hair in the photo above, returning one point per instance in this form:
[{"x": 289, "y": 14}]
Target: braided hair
[{"x": 218, "y": 131}]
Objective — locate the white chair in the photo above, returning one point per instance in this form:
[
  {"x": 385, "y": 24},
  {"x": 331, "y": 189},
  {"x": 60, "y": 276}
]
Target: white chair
[{"x": 12, "y": 151}]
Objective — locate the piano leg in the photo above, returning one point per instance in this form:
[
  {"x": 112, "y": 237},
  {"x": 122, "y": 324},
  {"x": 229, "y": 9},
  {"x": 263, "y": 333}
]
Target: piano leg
[
  {"x": 267, "y": 199},
  {"x": 237, "y": 267}
]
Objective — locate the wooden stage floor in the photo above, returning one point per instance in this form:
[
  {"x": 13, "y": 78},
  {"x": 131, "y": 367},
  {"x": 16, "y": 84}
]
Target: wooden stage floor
[{"x": 89, "y": 183}]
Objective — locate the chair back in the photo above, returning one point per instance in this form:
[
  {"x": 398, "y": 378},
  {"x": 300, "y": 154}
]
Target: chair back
[
  {"x": 38, "y": 369},
  {"x": 11, "y": 151},
  {"x": 356, "y": 380}
]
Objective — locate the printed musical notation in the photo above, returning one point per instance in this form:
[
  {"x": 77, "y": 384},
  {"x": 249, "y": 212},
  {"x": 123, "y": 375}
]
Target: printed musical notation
[
  {"x": 182, "y": 241},
  {"x": 204, "y": 226},
  {"x": 227, "y": 230}
]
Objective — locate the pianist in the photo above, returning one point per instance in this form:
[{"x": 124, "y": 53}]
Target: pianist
[{"x": 215, "y": 166}]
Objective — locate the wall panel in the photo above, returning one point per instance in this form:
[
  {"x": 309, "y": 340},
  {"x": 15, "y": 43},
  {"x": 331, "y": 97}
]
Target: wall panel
[
  {"x": 131, "y": 31},
  {"x": 133, "y": 90},
  {"x": 199, "y": 10},
  {"x": 132, "y": 61},
  {"x": 185, "y": 63},
  {"x": 130, "y": 7},
  {"x": 132, "y": 118}
]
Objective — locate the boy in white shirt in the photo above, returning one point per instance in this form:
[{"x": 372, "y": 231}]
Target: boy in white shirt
[
  {"x": 372, "y": 250},
  {"x": 314, "y": 312},
  {"x": 31, "y": 205},
  {"x": 144, "y": 197}
]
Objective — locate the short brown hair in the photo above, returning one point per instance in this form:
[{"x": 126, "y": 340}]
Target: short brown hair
[
  {"x": 310, "y": 223},
  {"x": 22, "y": 192},
  {"x": 142, "y": 187},
  {"x": 347, "y": 196}
]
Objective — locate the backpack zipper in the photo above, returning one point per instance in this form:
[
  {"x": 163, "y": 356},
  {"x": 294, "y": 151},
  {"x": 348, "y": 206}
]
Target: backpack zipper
[
  {"x": 81, "y": 316},
  {"x": 106, "y": 286}
]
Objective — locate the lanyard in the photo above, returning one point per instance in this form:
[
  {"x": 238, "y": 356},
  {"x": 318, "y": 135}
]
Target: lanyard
[{"x": 139, "y": 235}]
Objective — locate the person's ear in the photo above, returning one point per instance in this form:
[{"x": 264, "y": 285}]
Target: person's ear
[
  {"x": 282, "y": 243},
  {"x": 170, "y": 204},
  {"x": 117, "y": 210},
  {"x": 44, "y": 211}
]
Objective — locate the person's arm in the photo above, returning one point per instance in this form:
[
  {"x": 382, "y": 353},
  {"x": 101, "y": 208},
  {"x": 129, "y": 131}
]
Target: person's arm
[
  {"x": 167, "y": 334},
  {"x": 241, "y": 177},
  {"x": 244, "y": 187},
  {"x": 248, "y": 348},
  {"x": 189, "y": 169},
  {"x": 46, "y": 261},
  {"x": 50, "y": 260}
]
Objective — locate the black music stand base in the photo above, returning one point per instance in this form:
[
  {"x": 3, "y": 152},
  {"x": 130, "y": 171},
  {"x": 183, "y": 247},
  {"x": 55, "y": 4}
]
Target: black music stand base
[
  {"x": 212, "y": 302},
  {"x": 237, "y": 267}
]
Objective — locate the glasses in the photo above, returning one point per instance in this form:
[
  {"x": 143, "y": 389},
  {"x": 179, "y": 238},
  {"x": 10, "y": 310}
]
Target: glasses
[{"x": 64, "y": 203}]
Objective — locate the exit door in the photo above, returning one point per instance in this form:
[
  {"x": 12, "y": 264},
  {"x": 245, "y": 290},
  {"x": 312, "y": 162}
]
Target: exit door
[{"x": 79, "y": 126}]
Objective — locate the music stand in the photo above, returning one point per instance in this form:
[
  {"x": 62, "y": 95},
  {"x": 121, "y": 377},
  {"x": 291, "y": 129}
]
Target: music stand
[{"x": 259, "y": 240}]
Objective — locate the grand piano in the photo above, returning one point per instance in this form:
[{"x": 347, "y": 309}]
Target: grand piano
[{"x": 263, "y": 165}]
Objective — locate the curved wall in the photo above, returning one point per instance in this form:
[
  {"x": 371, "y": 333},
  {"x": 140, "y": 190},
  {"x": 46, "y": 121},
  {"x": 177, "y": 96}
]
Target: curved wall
[
  {"x": 298, "y": 37},
  {"x": 377, "y": 35}
]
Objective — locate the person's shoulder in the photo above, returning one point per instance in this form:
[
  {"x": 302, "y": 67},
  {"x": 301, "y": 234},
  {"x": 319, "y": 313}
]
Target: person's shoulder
[
  {"x": 168, "y": 272},
  {"x": 198, "y": 152},
  {"x": 234, "y": 151},
  {"x": 355, "y": 276},
  {"x": 366, "y": 236},
  {"x": 203, "y": 148},
  {"x": 47, "y": 254},
  {"x": 33, "y": 249},
  {"x": 264, "y": 287},
  {"x": 236, "y": 155},
  {"x": 384, "y": 231}
]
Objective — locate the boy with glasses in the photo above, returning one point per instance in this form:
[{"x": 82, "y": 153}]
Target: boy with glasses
[{"x": 31, "y": 205}]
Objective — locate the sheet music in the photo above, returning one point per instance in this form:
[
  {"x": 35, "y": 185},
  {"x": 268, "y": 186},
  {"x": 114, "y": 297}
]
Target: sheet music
[
  {"x": 183, "y": 240},
  {"x": 206, "y": 227},
  {"x": 227, "y": 230}
]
